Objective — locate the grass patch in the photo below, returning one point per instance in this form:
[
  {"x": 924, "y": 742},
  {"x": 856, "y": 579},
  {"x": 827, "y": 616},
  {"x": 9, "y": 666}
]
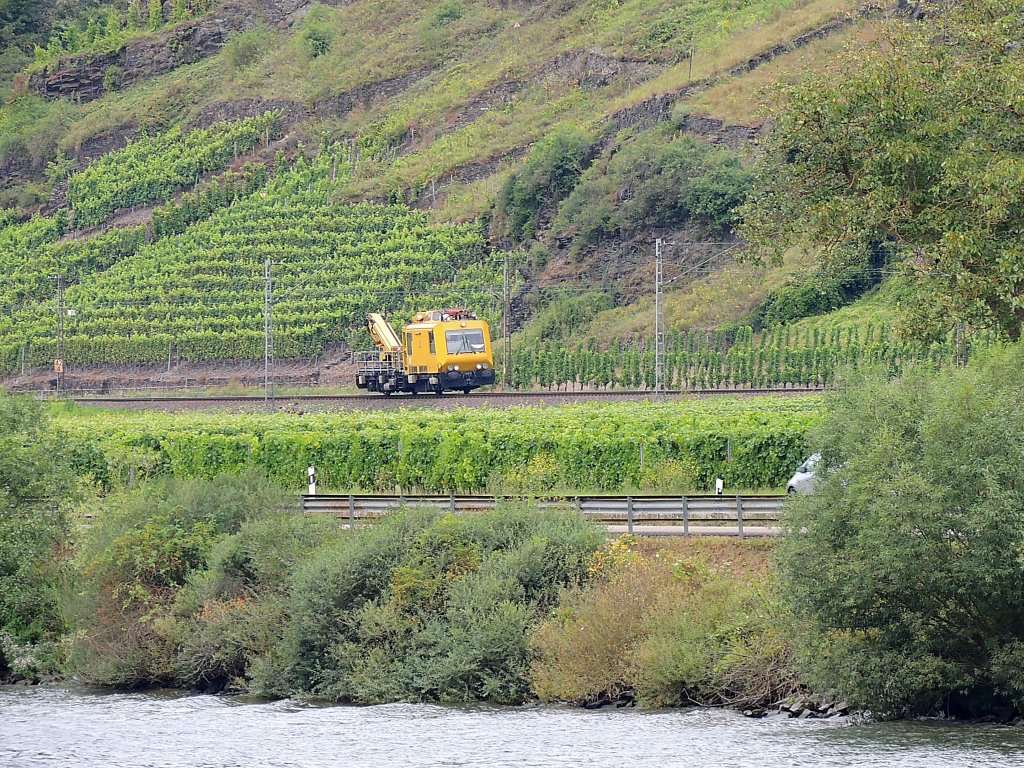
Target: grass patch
[
  {"x": 709, "y": 62},
  {"x": 740, "y": 100},
  {"x": 719, "y": 299},
  {"x": 879, "y": 308}
]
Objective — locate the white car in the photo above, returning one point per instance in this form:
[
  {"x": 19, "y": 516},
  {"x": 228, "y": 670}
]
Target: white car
[{"x": 803, "y": 480}]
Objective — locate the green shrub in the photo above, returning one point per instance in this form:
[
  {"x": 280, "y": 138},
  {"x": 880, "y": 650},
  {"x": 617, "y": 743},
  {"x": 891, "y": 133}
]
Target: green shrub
[
  {"x": 450, "y": 11},
  {"x": 655, "y": 179},
  {"x": 904, "y": 567},
  {"x": 243, "y": 49},
  {"x": 264, "y": 553},
  {"x": 819, "y": 292},
  {"x": 113, "y": 79},
  {"x": 564, "y": 316},
  {"x": 236, "y": 611},
  {"x": 317, "y": 40},
  {"x": 425, "y": 607},
  {"x": 551, "y": 172},
  {"x": 34, "y": 530},
  {"x": 31, "y": 538},
  {"x": 145, "y": 551}
]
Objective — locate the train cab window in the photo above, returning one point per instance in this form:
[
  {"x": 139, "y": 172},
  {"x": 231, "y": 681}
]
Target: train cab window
[
  {"x": 464, "y": 342},
  {"x": 433, "y": 345},
  {"x": 408, "y": 344}
]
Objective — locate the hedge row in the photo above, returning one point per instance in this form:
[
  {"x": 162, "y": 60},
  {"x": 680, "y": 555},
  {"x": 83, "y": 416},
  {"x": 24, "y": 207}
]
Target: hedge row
[{"x": 750, "y": 444}]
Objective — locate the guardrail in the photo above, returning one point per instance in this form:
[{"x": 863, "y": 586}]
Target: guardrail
[{"x": 742, "y": 516}]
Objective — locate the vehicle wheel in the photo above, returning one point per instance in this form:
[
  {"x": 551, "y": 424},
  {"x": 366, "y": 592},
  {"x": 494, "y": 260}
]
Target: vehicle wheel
[
  {"x": 467, "y": 390},
  {"x": 791, "y": 490},
  {"x": 386, "y": 392}
]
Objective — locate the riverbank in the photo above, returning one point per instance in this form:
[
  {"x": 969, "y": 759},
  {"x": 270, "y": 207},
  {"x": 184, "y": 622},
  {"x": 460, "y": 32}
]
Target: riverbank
[{"x": 209, "y": 586}]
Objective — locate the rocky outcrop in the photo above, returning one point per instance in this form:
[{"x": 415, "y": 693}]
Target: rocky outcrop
[
  {"x": 18, "y": 167},
  {"x": 79, "y": 78},
  {"x": 718, "y": 132},
  {"x": 592, "y": 69},
  {"x": 88, "y": 76},
  {"x": 239, "y": 109},
  {"x": 292, "y": 112},
  {"x": 366, "y": 95},
  {"x": 658, "y": 108},
  {"x": 479, "y": 105},
  {"x": 625, "y": 264},
  {"x": 94, "y": 147},
  {"x": 647, "y": 113},
  {"x": 435, "y": 193},
  {"x": 58, "y": 198}
]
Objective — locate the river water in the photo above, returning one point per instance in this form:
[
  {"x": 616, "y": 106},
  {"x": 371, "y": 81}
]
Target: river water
[{"x": 57, "y": 726}]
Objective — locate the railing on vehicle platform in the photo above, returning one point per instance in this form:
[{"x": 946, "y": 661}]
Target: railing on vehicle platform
[{"x": 378, "y": 362}]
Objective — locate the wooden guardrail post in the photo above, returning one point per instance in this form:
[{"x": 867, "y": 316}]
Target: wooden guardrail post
[
  {"x": 351, "y": 508},
  {"x": 451, "y": 502},
  {"x": 629, "y": 514},
  {"x": 579, "y": 506},
  {"x": 739, "y": 514},
  {"x": 686, "y": 516}
]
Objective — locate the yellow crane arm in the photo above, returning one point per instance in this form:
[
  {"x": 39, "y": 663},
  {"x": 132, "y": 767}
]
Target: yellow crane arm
[{"x": 382, "y": 332}]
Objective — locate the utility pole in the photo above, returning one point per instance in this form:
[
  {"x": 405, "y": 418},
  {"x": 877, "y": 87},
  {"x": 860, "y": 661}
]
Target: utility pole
[
  {"x": 506, "y": 323},
  {"x": 961, "y": 346},
  {"x": 268, "y": 335},
  {"x": 58, "y": 363},
  {"x": 659, "y": 319}
]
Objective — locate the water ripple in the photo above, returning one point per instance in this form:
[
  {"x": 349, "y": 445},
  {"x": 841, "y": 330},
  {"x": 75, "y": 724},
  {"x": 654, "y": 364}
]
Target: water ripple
[{"x": 54, "y": 726}]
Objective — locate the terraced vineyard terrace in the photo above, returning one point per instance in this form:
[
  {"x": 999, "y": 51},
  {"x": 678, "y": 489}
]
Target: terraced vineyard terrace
[
  {"x": 153, "y": 168},
  {"x": 200, "y": 295},
  {"x": 32, "y": 252},
  {"x": 520, "y": 450}
]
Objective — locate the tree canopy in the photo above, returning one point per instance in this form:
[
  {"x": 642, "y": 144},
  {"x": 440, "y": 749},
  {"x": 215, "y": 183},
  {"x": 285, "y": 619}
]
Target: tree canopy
[
  {"x": 33, "y": 475},
  {"x": 915, "y": 144},
  {"x": 904, "y": 567}
]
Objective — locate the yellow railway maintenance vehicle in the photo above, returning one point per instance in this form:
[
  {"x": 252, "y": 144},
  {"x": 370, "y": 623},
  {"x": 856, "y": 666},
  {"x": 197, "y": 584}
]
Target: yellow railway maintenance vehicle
[{"x": 440, "y": 350}]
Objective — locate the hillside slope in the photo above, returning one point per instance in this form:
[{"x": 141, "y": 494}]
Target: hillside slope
[{"x": 466, "y": 110}]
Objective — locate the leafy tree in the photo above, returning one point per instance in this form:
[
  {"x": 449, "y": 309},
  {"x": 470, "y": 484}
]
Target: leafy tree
[
  {"x": 916, "y": 143},
  {"x": 17, "y": 17},
  {"x": 904, "y": 566},
  {"x": 32, "y": 475}
]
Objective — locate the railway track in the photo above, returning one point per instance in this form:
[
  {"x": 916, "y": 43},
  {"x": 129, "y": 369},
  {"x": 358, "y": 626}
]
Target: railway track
[{"x": 441, "y": 402}]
